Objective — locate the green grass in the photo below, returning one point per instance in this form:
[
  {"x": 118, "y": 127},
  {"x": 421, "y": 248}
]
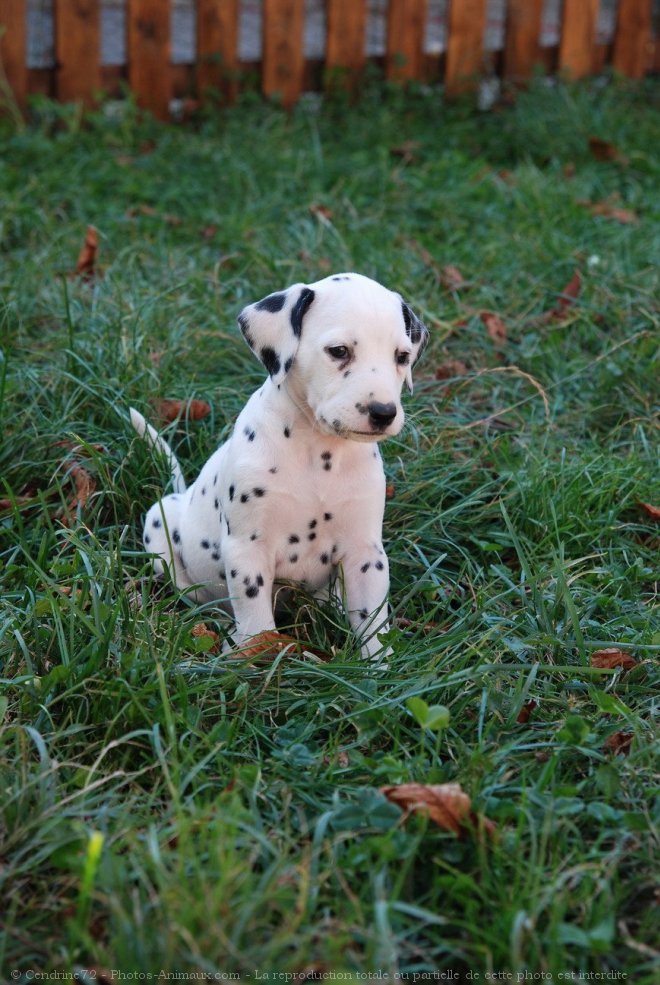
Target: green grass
[{"x": 164, "y": 809}]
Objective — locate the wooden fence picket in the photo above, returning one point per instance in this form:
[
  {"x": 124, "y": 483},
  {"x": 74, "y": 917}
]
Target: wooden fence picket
[
  {"x": 149, "y": 74},
  {"x": 465, "y": 43},
  {"x": 633, "y": 48},
  {"x": 345, "y": 37},
  {"x": 405, "y": 39},
  {"x": 521, "y": 46},
  {"x": 78, "y": 50},
  {"x": 13, "y": 47},
  {"x": 217, "y": 45},
  {"x": 283, "y": 55},
  {"x": 578, "y": 37}
]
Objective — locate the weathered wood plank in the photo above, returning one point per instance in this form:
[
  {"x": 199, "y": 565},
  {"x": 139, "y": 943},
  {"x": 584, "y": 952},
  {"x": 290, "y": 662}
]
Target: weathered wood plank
[
  {"x": 13, "y": 47},
  {"x": 465, "y": 44},
  {"x": 77, "y": 50},
  {"x": 406, "y": 20},
  {"x": 217, "y": 45},
  {"x": 578, "y": 37},
  {"x": 283, "y": 55},
  {"x": 345, "y": 37},
  {"x": 148, "y": 23},
  {"x": 633, "y": 43},
  {"x": 521, "y": 47}
]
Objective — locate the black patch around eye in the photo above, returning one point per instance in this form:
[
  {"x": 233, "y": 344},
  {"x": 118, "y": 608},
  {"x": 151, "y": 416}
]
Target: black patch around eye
[
  {"x": 270, "y": 359},
  {"x": 273, "y": 302},
  {"x": 300, "y": 307}
]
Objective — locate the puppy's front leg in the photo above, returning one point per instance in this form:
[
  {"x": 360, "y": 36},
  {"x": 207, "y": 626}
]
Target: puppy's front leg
[
  {"x": 366, "y": 586},
  {"x": 250, "y": 583}
]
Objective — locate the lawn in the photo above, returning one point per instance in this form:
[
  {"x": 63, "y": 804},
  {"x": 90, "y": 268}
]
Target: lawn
[{"x": 168, "y": 810}]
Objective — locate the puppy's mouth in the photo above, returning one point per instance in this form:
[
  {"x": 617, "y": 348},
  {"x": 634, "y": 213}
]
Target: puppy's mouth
[{"x": 356, "y": 434}]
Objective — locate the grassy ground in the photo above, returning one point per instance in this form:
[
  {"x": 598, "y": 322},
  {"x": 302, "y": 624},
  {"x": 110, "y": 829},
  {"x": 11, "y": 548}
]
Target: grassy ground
[{"x": 165, "y": 809}]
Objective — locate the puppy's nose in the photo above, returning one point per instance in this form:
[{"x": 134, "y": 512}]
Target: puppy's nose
[{"x": 380, "y": 415}]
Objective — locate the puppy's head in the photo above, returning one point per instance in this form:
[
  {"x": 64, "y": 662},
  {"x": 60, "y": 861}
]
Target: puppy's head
[{"x": 343, "y": 346}]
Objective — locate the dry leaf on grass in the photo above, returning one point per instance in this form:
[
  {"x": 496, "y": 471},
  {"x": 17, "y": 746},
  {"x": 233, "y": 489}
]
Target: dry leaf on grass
[
  {"x": 652, "y": 511},
  {"x": 390, "y": 490},
  {"x": 201, "y": 631},
  {"x": 269, "y": 643},
  {"x": 619, "y": 743},
  {"x": 451, "y": 369},
  {"x": 526, "y": 712},
  {"x": 604, "y": 150},
  {"x": 170, "y": 410},
  {"x": 568, "y": 296},
  {"x": 610, "y": 209},
  {"x": 612, "y": 657},
  {"x": 321, "y": 211},
  {"x": 494, "y": 326},
  {"x": 451, "y": 278},
  {"x": 446, "y": 803},
  {"x": 8, "y": 504},
  {"x": 86, "y": 265},
  {"x": 85, "y": 486}
]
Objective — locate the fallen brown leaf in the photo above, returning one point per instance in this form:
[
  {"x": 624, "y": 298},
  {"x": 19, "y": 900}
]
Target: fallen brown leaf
[
  {"x": 446, "y": 803},
  {"x": 619, "y": 742},
  {"x": 526, "y": 711},
  {"x": 209, "y": 232},
  {"x": 85, "y": 486},
  {"x": 390, "y": 490},
  {"x": 7, "y": 504},
  {"x": 612, "y": 657},
  {"x": 407, "y": 151},
  {"x": 169, "y": 410},
  {"x": 450, "y": 369},
  {"x": 652, "y": 511},
  {"x": 611, "y": 211},
  {"x": 201, "y": 631},
  {"x": 494, "y": 326},
  {"x": 321, "y": 211},
  {"x": 451, "y": 278},
  {"x": 604, "y": 150},
  {"x": 142, "y": 209},
  {"x": 86, "y": 265},
  {"x": 567, "y": 297}
]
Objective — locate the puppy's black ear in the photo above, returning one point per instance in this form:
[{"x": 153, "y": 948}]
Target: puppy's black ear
[
  {"x": 418, "y": 334},
  {"x": 272, "y": 327}
]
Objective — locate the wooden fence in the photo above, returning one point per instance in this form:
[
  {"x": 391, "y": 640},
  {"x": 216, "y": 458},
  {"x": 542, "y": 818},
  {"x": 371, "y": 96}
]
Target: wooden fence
[{"x": 78, "y": 75}]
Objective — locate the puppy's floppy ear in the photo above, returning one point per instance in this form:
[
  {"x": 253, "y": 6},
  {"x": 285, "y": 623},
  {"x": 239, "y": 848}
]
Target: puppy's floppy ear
[
  {"x": 418, "y": 334},
  {"x": 272, "y": 327}
]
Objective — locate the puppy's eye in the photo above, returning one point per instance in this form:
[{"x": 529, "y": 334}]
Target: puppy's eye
[
  {"x": 402, "y": 358},
  {"x": 337, "y": 351}
]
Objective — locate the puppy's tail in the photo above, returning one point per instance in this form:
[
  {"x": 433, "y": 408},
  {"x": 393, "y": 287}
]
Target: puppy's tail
[{"x": 150, "y": 435}]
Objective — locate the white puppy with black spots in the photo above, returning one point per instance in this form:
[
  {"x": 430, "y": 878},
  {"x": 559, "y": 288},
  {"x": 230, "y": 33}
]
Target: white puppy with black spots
[{"x": 297, "y": 493}]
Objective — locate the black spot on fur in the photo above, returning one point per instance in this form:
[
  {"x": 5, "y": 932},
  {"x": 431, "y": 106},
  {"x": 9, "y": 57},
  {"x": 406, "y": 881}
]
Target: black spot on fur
[
  {"x": 259, "y": 492},
  {"x": 325, "y": 559},
  {"x": 327, "y": 466},
  {"x": 244, "y": 497},
  {"x": 205, "y": 544},
  {"x": 293, "y": 558},
  {"x": 252, "y": 591},
  {"x": 250, "y": 434},
  {"x": 300, "y": 307},
  {"x": 233, "y": 572},
  {"x": 365, "y": 567},
  {"x": 341, "y": 277},
  {"x": 294, "y": 539},
  {"x": 270, "y": 359},
  {"x": 215, "y": 479},
  {"x": 327, "y": 516},
  {"x": 260, "y": 580},
  {"x": 379, "y": 565},
  {"x": 147, "y": 539},
  {"x": 363, "y": 613},
  {"x": 216, "y": 503},
  {"x": 311, "y": 536},
  {"x": 273, "y": 470},
  {"x": 287, "y": 432},
  {"x": 231, "y": 493},
  {"x": 176, "y": 536},
  {"x": 215, "y": 555},
  {"x": 288, "y": 363},
  {"x": 253, "y": 536},
  {"x": 326, "y": 455},
  {"x": 273, "y": 302},
  {"x": 156, "y": 523},
  {"x": 312, "y": 524}
]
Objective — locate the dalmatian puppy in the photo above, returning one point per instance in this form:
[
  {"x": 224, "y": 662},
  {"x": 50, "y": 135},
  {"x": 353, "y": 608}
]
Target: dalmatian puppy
[{"x": 297, "y": 493}]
